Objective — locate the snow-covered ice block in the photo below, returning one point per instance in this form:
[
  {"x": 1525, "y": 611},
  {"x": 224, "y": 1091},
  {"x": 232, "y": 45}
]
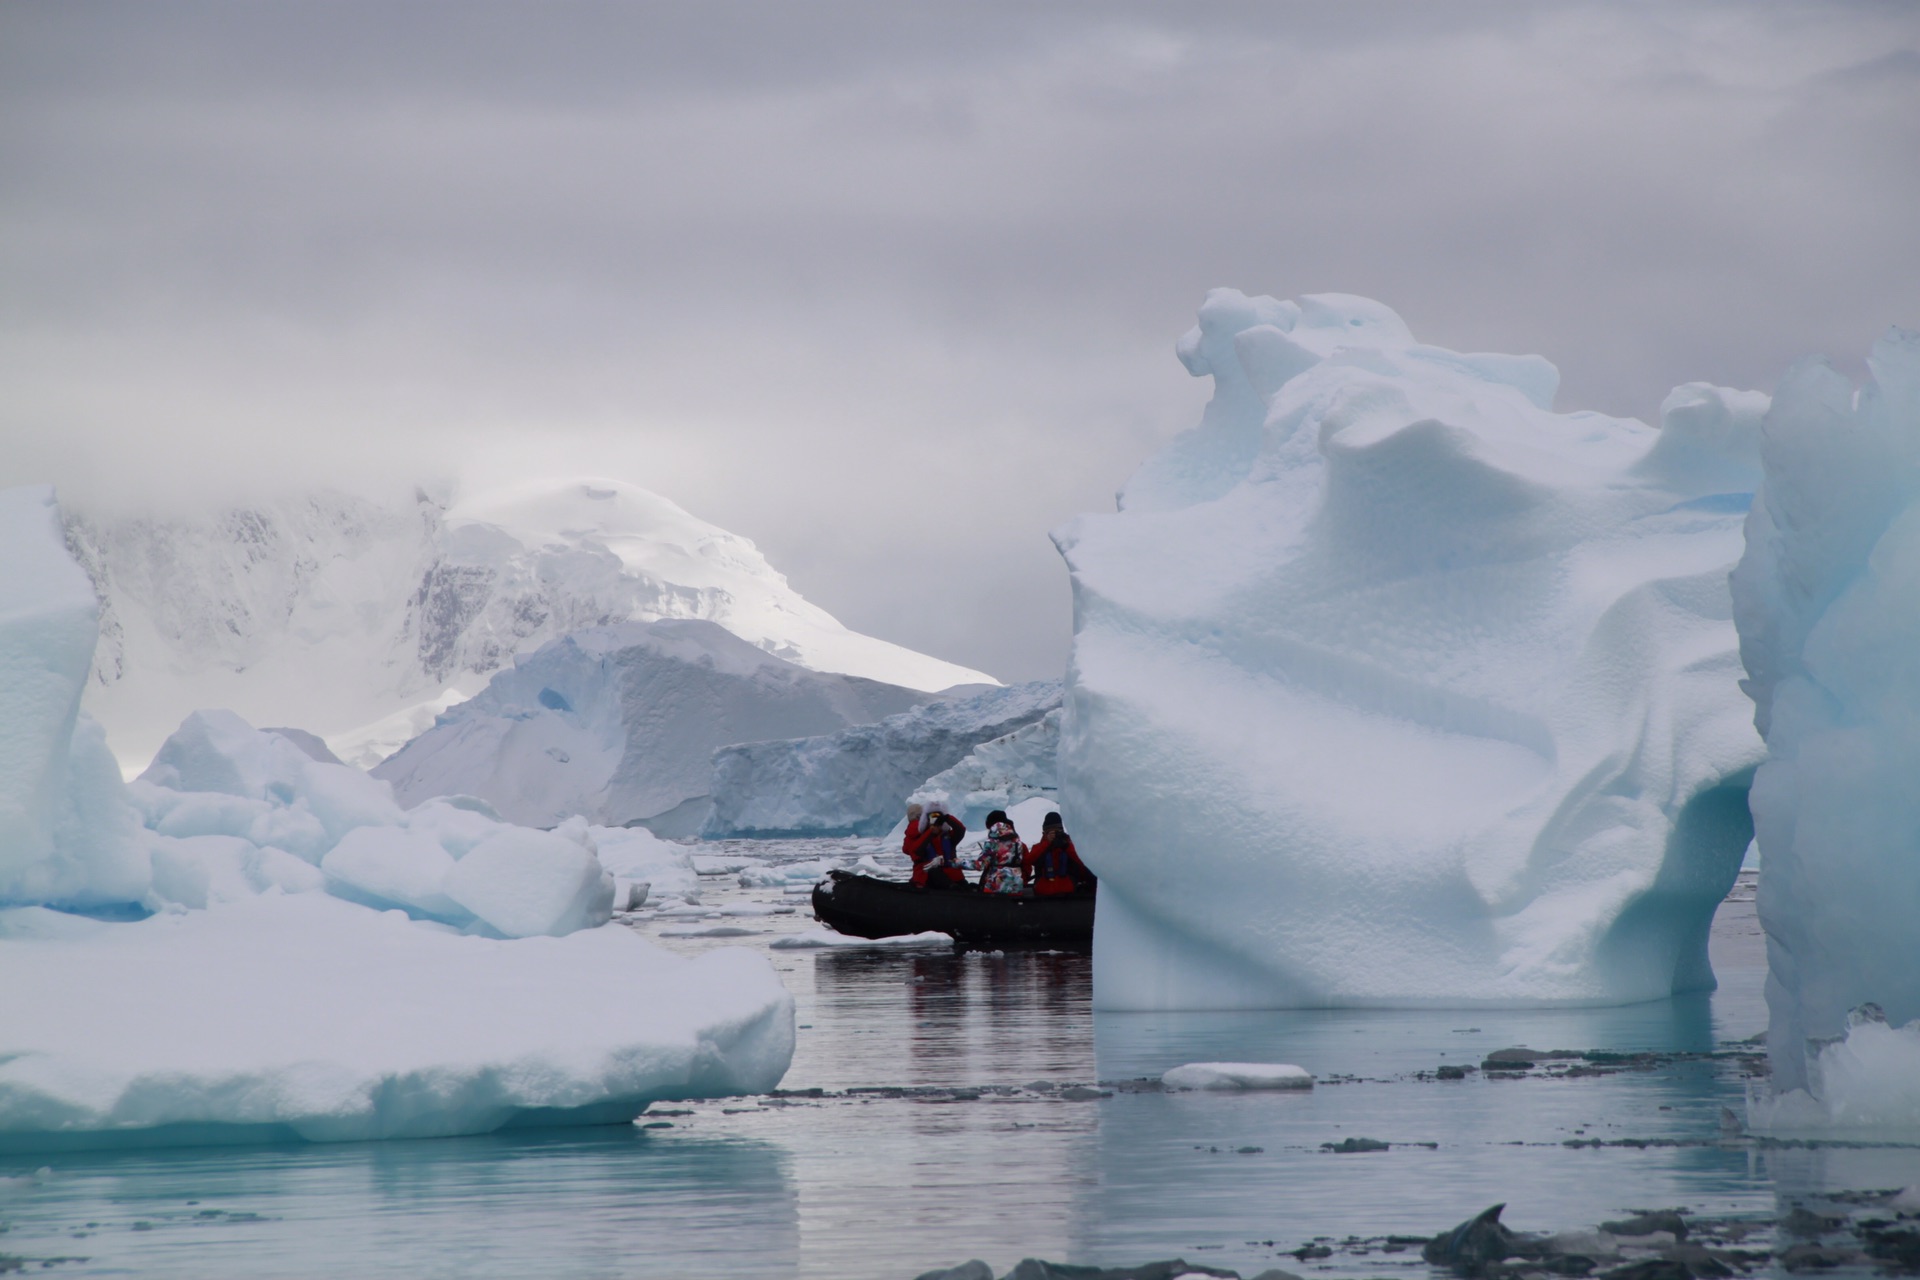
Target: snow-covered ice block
[
  {"x": 618, "y": 723},
  {"x": 196, "y": 871},
  {"x": 1238, "y": 1075},
  {"x": 857, "y": 782},
  {"x": 1390, "y": 685},
  {"x": 1828, "y": 602},
  {"x": 634, "y": 853},
  {"x": 314, "y": 1018},
  {"x": 527, "y": 883},
  {"x": 68, "y": 831},
  {"x": 218, "y": 752},
  {"x": 387, "y": 867}
]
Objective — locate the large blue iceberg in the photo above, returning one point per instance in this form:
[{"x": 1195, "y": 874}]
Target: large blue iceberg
[{"x": 1828, "y": 603}]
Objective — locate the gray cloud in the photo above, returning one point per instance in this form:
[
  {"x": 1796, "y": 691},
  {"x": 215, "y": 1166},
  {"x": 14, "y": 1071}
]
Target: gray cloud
[{"x": 890, "y": 289}]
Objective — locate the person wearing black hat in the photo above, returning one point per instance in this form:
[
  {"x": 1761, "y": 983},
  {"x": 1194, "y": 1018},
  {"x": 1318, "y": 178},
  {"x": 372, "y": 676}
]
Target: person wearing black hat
[{"x": 1053, "y": 865}]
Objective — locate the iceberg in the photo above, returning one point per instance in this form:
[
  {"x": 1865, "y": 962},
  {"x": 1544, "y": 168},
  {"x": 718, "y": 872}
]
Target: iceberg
[
  {"x": 618, "y": 724},
  {"x": 253, "y": 941},
  {"x": 1827, "y": 599},
  {"x": 1000, "y": 774},
  {"x": 856, "y": 782},
  {"x": 362, "y": 618},
  {"x": 67, "y": 830},
  {"x": 275, "y": 1018},
  {"x": 1392, "y": 686}
]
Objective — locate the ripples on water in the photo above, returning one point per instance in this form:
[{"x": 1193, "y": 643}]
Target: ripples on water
[{"x": 890, "y": 1171}]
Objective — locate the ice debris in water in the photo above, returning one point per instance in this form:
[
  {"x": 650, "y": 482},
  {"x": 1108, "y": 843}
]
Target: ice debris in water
[
  {"x": 1238, "y": 1075},
  {"x": 1391, "y": 685},
  {"x": 1827, "y": 599}
]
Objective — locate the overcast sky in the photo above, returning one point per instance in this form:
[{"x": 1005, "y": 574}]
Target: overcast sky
[{"x": 891, "y": 289}]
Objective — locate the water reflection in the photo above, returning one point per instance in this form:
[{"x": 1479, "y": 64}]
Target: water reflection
[{"x": 609, "y": 1201}]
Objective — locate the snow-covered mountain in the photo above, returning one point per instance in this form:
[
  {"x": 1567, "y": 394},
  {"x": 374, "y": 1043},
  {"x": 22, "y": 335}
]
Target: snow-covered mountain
[{"x": 361, "y": 619}]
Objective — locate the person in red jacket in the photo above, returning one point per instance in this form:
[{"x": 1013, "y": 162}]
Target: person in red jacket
[
  {"x": 1053, "y": 865},
  {"x": 934, "y": 847}
]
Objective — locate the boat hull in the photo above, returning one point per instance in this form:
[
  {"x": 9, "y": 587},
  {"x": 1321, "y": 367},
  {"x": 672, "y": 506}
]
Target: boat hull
[{"x": 864, "y": 907}]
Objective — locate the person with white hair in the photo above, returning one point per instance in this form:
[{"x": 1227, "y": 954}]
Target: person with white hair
[{"x": 934, "y": 846}]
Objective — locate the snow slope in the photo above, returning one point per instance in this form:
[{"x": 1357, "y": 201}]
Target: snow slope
[
  {"x": 1391, "y": 685},
  {"x": 1828, "y": 602},
  {"x": 361, "y": 619},
  {"x": 856, "y": 782},
  {"x": 619, "y": 724}
]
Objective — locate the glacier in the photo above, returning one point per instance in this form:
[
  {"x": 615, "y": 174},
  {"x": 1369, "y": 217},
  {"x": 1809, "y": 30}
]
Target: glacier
[
  {"x": 363, "y": 618},
  {"x": 618, "y": 724},
  {"x": 1827, "y": 600},
  {"x": 856, "y": 782},
  {"x": 999, "y": 774},
  {"x": 1390, "y": 685},
  {"x": 253, "y": 941}
]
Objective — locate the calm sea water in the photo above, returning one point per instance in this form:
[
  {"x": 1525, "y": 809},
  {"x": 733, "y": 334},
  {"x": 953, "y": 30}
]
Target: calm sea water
[{"x": 946, "y": 1128}]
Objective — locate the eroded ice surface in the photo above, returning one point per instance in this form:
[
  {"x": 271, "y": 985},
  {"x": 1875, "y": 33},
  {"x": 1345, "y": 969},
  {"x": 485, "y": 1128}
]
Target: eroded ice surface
[
  {"x": 1391, "y": 685},
  {"x": 1828, "y": 602}
]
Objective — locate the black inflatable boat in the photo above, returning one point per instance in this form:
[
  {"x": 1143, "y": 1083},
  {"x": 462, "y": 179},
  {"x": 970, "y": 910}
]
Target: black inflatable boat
[{"x": 864, "y": 907}]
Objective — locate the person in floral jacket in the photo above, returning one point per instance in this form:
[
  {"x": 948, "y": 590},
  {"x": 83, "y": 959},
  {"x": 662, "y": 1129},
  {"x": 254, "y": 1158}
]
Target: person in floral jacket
[{"x": 1002, "y": 857}]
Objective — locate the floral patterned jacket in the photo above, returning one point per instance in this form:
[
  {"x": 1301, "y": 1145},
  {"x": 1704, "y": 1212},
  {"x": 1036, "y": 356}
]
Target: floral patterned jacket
[{"x": 1000, "y": 860}]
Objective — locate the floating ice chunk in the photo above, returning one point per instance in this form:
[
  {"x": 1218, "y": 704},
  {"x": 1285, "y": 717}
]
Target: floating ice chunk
[
  {"x": 527, "y": 883},
  {"x": 1864, "y": 1084},
  {"x": 1238, "y": 1075},
  {"x": 709, "y": 931},
  {"x": 315, "y": 1018},
  {"x": 812, "y": 939},
  {"x": 1391, "y": 686}
]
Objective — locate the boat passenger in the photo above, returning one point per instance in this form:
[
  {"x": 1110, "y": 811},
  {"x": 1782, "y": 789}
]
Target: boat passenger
[
  {"x": 933, "y": 845},
  {"x": 1002, "y": 860},
  {"x": 1053, "y": 865}
]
